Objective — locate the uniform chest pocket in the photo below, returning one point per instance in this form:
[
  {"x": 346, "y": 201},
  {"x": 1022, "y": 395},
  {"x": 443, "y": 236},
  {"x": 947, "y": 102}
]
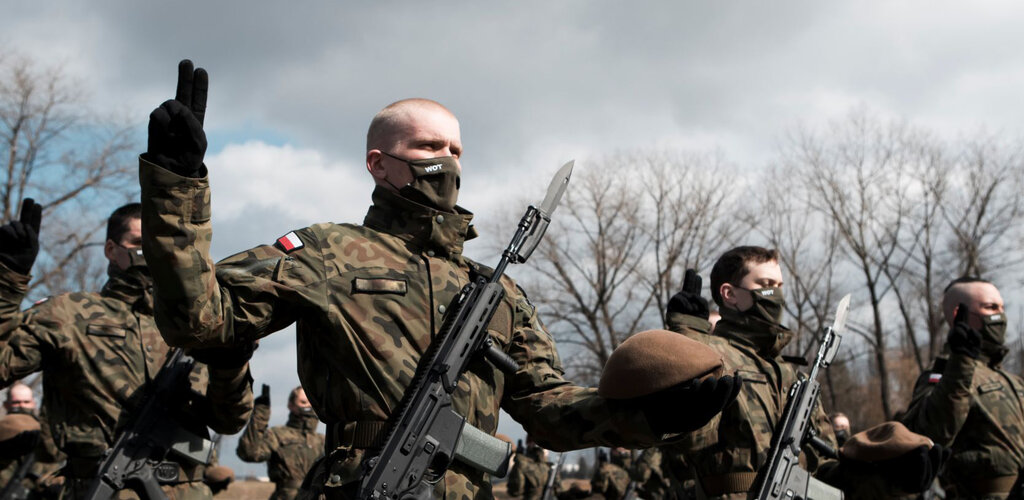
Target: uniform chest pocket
[
  {"x": 750, "y": 376},
  {"x": 989, "y": 387},
  {"x": 397, "y": 286},
  {"x": 100, "y": 330}
]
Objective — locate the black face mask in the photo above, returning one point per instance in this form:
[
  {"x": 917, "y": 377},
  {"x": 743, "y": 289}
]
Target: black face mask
[
  {"x": 993, "y": 336},
  {"x": 841, "y": 436},
  {"x": 768, "y": 304},
  {"x": 435, "y": 182},
  {"x": 136, "y": 262}
]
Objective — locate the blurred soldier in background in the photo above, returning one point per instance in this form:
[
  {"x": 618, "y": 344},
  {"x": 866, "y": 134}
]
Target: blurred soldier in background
[{"x": 289, "y": 449}]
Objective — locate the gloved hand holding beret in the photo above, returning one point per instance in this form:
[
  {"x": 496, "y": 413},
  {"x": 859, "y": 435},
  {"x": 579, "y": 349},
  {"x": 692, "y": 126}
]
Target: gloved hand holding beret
[
  {"x": 676, "y": 381},
  {"x": 902, "y": 458}
]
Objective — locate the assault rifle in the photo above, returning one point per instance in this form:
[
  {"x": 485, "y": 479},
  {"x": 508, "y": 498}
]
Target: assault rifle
[
  {"x": 139, "y": 458},
  {"x": 16, "y": 489},
  {"x": 549, "y": 485},
  {"x": 782, "y": 477},
  {"x": 426, "y": 434}
]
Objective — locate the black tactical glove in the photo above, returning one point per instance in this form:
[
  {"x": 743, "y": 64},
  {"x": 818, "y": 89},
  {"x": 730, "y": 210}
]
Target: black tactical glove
[
  {"x": 19, "y": 239},
  {"x": 264, "y": 397},
  {"x": 688, "y": 406},
  {"x": 176, "y": 138},
  {"x": 962, "y": 338},
  {"x": 21, "y": 444},
  {"x": 225, "y": 357},
  {"x": 688, "y": 301}
]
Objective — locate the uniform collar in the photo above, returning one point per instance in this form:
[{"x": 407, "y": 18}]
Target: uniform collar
[
  {"x": 768, "y": 339},
  {"x": 305, "y": 422},
  {"x": 426, "y": 228},
  {"x": 133, "y": 288}
]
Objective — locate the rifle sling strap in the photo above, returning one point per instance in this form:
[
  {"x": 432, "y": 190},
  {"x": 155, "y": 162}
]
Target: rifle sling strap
[
  {"x": 732, "y": 482},
  {"x": 361, "y": 434},
  {"x": 88, "y": 468}
]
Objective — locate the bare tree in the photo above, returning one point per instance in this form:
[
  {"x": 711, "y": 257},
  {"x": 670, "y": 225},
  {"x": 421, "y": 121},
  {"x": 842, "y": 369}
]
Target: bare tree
[
  {"x": 620, "y": 244},
  {"x": 986, "y": 205},
  {"x": 856, "y": 174},
  {"x": 71, "y": 159}
]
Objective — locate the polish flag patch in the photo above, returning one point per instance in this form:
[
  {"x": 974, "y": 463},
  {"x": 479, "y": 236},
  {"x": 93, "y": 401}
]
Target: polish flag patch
[
  {"x": 289, "y": 242},
  {"x": 934, "y": 378}
]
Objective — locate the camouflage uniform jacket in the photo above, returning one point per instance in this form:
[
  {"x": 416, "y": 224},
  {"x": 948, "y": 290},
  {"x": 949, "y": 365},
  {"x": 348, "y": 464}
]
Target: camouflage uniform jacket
[
  {"x": 610, "y": 480},
  {"x": 289, "y": 449},
  {"x": 647, "y": 472},
  {"x": 976, "y": 408},
  {"x": 528, "y": 477},
  {"x": 98, "y": 350},
  {"x": 727, "y": 452},
  {"x": 367, "y": 301},
  {"x": 46, "y": 464}
]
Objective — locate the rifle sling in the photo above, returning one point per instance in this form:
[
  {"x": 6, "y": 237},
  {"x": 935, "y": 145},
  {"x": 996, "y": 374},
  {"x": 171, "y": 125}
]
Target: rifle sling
[
  {"x": 88, "y": 468},
  {"x": 361, "y": 434},
  {"x": 732, "y": 482}
]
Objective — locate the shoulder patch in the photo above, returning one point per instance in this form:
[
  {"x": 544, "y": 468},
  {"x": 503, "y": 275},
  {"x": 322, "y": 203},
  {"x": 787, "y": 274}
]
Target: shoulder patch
[
  {"x": 289, "y": 242},
  {"x": 934, "y": 378}
]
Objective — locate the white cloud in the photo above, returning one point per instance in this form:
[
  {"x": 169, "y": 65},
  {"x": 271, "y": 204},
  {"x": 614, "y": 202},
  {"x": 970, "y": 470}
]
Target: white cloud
[{"x": 296, "y": 183}]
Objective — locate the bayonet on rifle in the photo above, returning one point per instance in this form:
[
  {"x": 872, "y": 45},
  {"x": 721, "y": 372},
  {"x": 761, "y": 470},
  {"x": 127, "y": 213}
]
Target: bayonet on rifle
[{"x": 782, "y": 477}]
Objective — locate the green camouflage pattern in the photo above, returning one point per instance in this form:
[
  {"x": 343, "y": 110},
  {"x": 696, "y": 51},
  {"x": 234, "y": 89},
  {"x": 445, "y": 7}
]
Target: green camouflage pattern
[
  {"x": 977, "y": 409},
  {"x": 678, "y": 322},
  {"x": 647, "y": 472},
  {"x": 367, "y": 301},
  {"x": 529, "y": 474},
  {"x": 13, "y": 287},
  {"x": 289, "y": 449},
  {"x": 47, "y": 461},
  {"x": 610, "y": 480},
  {"x": 738, "y": 440},
  {"x": 97, "y": 351}
]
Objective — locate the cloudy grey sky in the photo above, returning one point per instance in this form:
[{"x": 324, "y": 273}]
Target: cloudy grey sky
[{"x": 294, "y": 84}]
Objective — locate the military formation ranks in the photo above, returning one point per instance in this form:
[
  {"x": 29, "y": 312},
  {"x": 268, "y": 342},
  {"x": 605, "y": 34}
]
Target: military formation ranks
[{"x": 697, "y": 410}]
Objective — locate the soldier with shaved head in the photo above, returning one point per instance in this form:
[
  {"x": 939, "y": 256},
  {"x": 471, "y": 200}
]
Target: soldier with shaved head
[
  {"x": 968, "y": 401},
  {"x": 368, "y": 299}
]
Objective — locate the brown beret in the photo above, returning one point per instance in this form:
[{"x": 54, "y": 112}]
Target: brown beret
[
  {"x": 650, "y": 361},
  {"x": 16, "y": 423},
  {"x": 882, "y": 442},
  {"x": 219, "y": 474}
]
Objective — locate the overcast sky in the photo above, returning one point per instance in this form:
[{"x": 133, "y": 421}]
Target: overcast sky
[{"x": 294, "y": 84}]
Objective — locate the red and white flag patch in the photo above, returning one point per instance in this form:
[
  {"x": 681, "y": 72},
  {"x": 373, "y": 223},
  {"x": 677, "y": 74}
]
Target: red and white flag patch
[
  {"x": 934, "y": 378},
  {"x": 290, "y": 242}
]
